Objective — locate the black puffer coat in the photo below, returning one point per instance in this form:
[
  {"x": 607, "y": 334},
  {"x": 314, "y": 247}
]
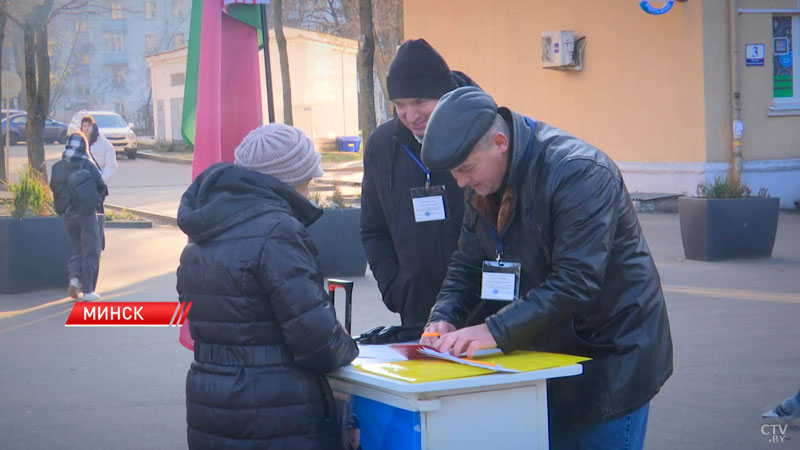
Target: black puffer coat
[
  {"x": 589, "y": 285},
  {"x": 408, "y": 259},
  {"x": 263, "y": 327}
]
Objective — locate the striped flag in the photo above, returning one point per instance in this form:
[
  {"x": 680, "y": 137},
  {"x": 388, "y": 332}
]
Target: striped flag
[{"x": 222, "y": 91}]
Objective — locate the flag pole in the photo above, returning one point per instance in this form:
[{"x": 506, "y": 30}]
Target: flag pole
[{"x": 267, "y": 71}]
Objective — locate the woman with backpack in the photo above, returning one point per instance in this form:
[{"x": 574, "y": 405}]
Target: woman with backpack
[{"x": 78, "y": 190}]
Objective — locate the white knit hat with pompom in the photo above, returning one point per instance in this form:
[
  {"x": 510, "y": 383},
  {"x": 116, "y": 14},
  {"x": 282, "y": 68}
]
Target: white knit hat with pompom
[{"x": 281, "y": 151}]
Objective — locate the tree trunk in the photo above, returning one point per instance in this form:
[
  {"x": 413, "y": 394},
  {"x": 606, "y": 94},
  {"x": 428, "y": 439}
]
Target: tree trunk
[
  {"x": 366, "y": 55},
  {"x": 380, "y": 67},
  {"x": 4, "y": 175},
  {"x": 37, "y": 83},
  {"x": 286, "y": 82},
  {"x": 19, "y": 66}
]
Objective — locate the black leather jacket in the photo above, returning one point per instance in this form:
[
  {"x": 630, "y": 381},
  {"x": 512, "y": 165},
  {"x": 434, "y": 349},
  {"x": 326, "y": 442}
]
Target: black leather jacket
[
  {"x": 589, "y": 285},
  {"x": 263, "y": 326}
]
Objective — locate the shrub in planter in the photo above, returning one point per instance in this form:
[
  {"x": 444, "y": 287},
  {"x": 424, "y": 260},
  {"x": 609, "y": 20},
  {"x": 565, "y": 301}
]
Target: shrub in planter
[
  {"x": 30, "y": 197},
  {"x": 33, "y": 249},
  {"x": 725, "y": 221}
]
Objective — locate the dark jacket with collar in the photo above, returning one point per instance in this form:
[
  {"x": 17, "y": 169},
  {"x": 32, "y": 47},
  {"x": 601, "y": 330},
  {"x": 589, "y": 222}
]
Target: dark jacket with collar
[
  {"x": 263, "y": 327},
  {"x": 589, "y": 285},
  {"x": 408, "y": 259}
]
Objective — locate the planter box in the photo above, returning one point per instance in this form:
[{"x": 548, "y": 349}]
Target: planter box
[
  {"x": 337, "y": 236},
  {"x": 33, "y": 254},
  {"x": 728, "y": 228}
]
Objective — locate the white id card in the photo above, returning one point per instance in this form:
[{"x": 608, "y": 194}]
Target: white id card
[
  {"x": 429, "y": 203},
  {"x": 500, "y": 280}
]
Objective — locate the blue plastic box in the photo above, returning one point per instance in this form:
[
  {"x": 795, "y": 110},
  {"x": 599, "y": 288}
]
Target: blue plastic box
[{"x": 348, "y": 143}]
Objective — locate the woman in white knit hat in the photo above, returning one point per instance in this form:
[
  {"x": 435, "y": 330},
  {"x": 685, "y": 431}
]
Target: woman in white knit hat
[{"x": 264, "y": 331}]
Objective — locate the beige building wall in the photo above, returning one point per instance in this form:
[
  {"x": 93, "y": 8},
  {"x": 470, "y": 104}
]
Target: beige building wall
[
  {"x": 165, "y": 93},
  {"x": 639, "y": 96},
  {"x": 322, "y": 69},
  {"x": 654, "y": 93}
]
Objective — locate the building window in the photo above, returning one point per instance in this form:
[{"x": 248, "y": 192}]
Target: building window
[
  {"x": 785, "y": 72},
  {"x": 120, "y": 108},
  {"x": 116, "y": 11},
  {"x": 83, "y": 58},
  {"x": 152, "y": 42},
  {"x": 112, "y": 42},
  {"x": 177, "y": 8},
  {"x": 81, "y": 25},
  {"x": 177, "y": 79},
  {"x": 82, "y": 91},
  {"x": 150, "y": 10},
  {"x": 119, "y": 77},
  {"x": 178, "y": 41}
]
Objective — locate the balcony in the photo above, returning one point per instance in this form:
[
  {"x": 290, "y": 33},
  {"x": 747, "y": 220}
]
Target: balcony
[
  {"x": 115, "y": 58},
  {"x": 114, "y": 25}
]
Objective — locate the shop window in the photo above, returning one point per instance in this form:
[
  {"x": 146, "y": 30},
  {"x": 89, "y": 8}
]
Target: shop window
[{"x": 785, "y": 67}]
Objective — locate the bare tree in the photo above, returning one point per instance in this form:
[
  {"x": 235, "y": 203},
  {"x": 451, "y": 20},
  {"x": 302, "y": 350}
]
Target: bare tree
[
  {"x": 62, "y": 63},
  {"x": 33, "y": 18},
  {"x": 283, "y": 56},
  {"x": 388, "y": 20},
  {"x": 366, "y": 81},
  {"x": 4, "y": 176},
  {"x": 37, "y": 79}
]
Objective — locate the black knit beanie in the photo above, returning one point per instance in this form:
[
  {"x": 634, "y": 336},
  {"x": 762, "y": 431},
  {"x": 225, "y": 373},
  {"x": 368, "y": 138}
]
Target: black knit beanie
[{"x": 418, "y": 71}]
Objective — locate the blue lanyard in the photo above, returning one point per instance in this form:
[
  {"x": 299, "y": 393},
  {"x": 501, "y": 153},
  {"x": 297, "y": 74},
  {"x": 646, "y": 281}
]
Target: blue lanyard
[
  {"x": 421, "y": 166},
  {"x": 498, "y": 241}
]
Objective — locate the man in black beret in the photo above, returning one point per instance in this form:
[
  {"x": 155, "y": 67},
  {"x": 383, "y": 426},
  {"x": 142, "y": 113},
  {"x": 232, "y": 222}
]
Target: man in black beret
[
  {"x": 410, "y": 215},
  {"x": 551, "y": 238}
]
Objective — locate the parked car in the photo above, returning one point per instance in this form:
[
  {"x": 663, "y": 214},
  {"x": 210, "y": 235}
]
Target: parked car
[
  {"x": 53, "y": 130},
  {"x": 11, "y": 112},
  {"x": 113, "y": 127}
]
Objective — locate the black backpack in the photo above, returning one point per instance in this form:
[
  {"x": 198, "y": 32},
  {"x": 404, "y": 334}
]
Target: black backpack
[{"x": 82, "y": 188}]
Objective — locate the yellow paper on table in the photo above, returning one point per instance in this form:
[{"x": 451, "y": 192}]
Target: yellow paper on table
[{"x": 426, "y": 370}]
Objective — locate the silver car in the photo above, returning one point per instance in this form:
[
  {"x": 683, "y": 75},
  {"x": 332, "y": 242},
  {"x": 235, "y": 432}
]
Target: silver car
[{"x": 113, "y": 127}]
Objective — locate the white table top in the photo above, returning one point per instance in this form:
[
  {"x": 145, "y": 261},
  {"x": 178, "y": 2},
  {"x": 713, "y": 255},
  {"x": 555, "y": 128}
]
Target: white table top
[{"x": 351, "y": 374}]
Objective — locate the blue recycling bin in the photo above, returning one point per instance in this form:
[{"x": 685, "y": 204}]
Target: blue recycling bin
[{"x": 348, "y": 143}]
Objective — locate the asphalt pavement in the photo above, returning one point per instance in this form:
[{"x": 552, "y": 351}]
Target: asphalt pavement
[{"x": 734, "y": 327}]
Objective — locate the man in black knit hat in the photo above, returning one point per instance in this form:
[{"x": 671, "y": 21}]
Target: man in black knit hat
[{"x": 410, "y": 216}]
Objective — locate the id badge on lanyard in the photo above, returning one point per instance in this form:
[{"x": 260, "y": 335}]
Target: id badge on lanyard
[
  {"x": 500, "y": 280},
  {"x": 430, "y": 203}
]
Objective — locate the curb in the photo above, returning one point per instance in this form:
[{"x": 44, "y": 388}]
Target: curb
[
  {"x": 128, "y": 223},
  {"x": 157, "y": 218},
  {"x": 166, "y": 159}
]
